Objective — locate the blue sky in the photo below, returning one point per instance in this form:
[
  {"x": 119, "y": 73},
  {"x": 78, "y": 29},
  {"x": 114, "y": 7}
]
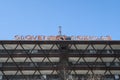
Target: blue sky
[{"x": 42, "y": 17}]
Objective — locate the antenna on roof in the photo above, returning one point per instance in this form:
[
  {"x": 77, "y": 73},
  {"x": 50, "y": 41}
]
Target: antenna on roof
[{"x": 60, "y": 32}]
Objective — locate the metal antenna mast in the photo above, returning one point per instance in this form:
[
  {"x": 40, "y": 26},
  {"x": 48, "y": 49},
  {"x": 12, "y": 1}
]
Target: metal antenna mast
[{"x": 60, "y": 32}]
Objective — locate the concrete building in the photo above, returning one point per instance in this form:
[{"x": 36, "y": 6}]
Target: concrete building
[{"x": 59, "y": 60}]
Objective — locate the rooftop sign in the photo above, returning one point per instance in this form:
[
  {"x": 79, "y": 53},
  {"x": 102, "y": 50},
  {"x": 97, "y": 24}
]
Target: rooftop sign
[{"x": 42, "y": 37}]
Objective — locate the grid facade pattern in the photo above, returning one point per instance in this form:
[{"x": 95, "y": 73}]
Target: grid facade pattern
[{"x": 59, "y": 60}]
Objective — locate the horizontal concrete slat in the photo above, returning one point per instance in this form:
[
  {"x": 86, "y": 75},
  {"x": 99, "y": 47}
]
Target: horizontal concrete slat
[{"x": 34, "y": 59}]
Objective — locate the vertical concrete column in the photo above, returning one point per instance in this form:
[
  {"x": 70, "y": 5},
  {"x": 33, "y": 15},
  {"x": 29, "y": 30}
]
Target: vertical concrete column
[{"x": 63, "y": 62}]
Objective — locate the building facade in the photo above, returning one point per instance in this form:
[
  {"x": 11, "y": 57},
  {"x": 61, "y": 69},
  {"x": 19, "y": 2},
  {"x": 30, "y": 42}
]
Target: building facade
[{"x": 59, "y": 60}]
